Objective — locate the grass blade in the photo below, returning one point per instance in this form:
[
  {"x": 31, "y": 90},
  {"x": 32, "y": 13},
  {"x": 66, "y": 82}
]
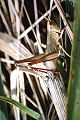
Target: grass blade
[{"x": 28, "y": 111}]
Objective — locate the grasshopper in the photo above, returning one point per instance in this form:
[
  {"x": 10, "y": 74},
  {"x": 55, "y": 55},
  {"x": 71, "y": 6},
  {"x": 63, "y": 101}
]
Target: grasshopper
[
  {"x": 54, "y": 83},
  {"x": 53, "y": 48}
]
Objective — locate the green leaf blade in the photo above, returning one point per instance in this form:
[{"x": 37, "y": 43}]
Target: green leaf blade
[
  {"x": 73, "y": 105},
  {"x": 28, "y": 111}
]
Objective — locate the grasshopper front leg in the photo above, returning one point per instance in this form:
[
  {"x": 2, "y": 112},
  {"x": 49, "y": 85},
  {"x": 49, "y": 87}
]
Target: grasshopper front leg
[{"x": 60, "y": 46}]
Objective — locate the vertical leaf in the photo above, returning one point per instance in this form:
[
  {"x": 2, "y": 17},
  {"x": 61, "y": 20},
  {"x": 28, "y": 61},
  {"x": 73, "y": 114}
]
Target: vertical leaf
[
  {"x": 69, "y": 16},
  {"x": 73, "y": 106},
  {"x": 3, "y": 107}
]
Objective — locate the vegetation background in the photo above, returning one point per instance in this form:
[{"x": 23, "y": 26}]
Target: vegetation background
[{"x": 16, "y": 17}]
